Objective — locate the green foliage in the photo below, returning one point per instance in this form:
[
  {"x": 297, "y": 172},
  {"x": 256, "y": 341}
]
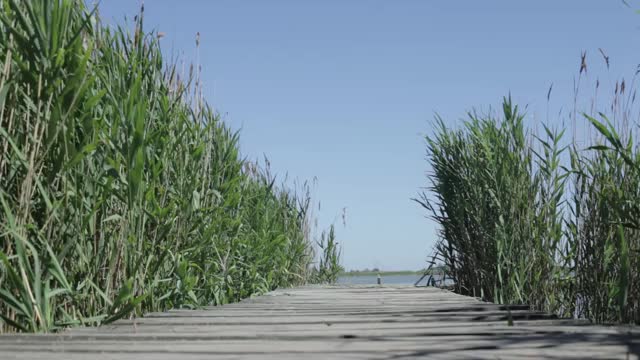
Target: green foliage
[
  {"x": 329, "y": 267},
  {"x": 604, "y": 233},
  {"x": 501, "y": 198},
  {"x": 121, "y": 190}
]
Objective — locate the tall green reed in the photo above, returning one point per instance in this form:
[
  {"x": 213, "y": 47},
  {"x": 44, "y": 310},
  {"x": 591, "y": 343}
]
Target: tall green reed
[
  {"x": 536, "y": 219},
  {"x": 604, "y": 229},
  {"x": 483, "y": 187},
  {"x": 121, "y": 190},
  {"x": 329, "y": 266}
]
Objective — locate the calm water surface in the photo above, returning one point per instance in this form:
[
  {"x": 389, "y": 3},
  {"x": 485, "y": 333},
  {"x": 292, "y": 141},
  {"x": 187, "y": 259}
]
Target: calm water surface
[
  {"x": 386, "y": 279},
  {"x": 373, "y": 279}
]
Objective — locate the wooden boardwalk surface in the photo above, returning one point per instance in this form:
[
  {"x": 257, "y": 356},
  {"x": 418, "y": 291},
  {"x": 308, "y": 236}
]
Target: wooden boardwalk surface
[{"x": 336, "y": 322}]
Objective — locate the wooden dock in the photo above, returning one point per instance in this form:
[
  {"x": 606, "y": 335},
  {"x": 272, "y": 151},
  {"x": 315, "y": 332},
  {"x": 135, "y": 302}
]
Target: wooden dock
[{"x": 337, "y": 322}]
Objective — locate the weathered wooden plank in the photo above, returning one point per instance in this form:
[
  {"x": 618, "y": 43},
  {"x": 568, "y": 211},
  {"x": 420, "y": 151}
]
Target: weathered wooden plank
[
  {"x": 347, "y": 322},
  {"x": 426, "y": 345},
  {"x": 562, "y": 347}
]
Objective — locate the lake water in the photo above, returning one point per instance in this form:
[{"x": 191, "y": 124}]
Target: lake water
[
  {"x": 373, "y": 279},
  {"x": 386, "y": 279}
]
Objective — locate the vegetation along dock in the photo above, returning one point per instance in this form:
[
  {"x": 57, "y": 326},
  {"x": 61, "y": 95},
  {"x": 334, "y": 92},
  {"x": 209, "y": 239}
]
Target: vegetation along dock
[
  {"x": 350, "y": 322},
  {"x": 138, "y": 222}
]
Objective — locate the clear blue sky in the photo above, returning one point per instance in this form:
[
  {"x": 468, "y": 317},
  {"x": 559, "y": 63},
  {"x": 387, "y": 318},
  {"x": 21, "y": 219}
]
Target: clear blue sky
[{"x": 346, "y": 90}]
